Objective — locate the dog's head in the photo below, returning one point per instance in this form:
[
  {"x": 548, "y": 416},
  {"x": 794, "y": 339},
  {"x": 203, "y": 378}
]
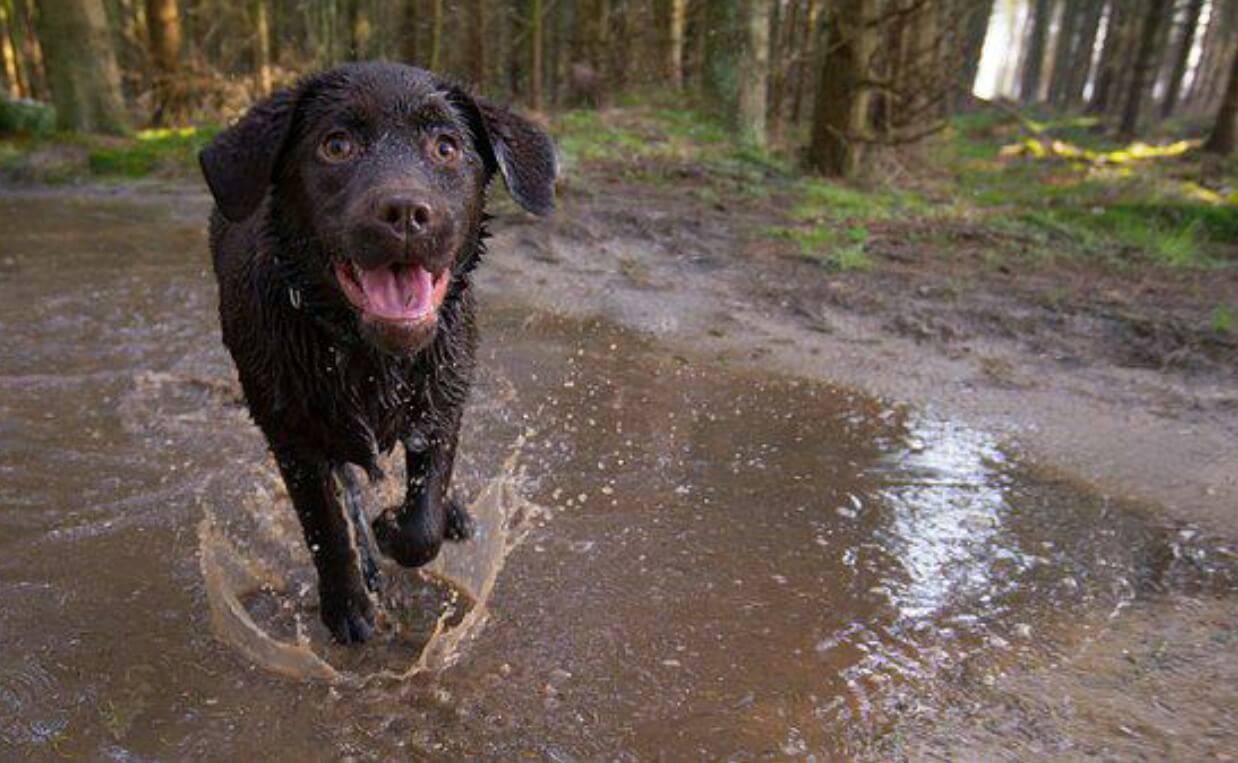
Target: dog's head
[{"x": 377, "y": 175}]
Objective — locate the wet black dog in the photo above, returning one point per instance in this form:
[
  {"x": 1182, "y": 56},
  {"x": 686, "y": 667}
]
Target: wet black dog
[{"x": 348, "y": 220}]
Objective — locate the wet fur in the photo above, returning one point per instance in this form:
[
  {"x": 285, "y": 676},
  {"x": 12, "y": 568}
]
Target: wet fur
[{"x": 322, "y": 392}]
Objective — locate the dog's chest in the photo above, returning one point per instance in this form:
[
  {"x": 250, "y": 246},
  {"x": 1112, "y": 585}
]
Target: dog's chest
[{"x": 382, "y": 402}]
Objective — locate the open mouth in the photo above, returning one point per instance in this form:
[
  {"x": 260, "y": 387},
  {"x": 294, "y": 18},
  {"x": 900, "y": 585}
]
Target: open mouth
[{"x": 397, "y": 292}]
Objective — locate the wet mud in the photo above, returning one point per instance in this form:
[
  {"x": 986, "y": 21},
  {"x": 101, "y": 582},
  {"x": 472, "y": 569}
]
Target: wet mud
[{"x": 679, "y": 557}]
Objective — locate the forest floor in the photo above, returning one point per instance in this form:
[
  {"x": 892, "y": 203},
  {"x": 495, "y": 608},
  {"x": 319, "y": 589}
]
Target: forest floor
[{"x": 1078, "y": 300}]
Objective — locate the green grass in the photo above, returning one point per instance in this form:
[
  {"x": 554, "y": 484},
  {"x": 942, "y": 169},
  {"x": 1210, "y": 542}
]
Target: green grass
[
  {"x": 1223, "y": 320},
  {"x": 834, "y": 247},
  {"x": 1114, "y": 202},
  {"x": 26, "y": 117},
  {"x": 821, "y": 201},
  {"x": 66, "y": 157},
  {"x": 151, "y": 151}
]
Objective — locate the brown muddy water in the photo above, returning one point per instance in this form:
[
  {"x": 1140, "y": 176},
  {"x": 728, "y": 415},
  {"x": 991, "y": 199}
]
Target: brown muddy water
[{"x": 678, "y": 559}]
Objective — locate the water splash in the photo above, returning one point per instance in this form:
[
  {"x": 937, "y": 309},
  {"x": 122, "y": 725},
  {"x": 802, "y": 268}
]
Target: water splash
[{"x": 469, "y": 571}]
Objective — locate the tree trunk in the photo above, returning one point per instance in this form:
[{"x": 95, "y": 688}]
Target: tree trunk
[
  {"x": 1157, "y": 15},
  {"x": 81, "y": 66},
  {"x": 1182, "y": 56},
  {"x": 477, "y": 43},
  {"x": 1081, "y": 58},
  {"x": 1211, "y": 61},
  {"x": 1105, "y": 93},
  {"x": 436, "y": 35},
  {"x": 163, "y": 26},
  {"x": 8, "y": 49},
  {"x": 1029, "y": 89},
  {"x": 360, "y": 31},
  {"x": 410, "y": 19},
  {"x": 805, "y": 65},
  {"x": 1221, "y": 141},
  {"x": 781, "y": 54},
  {"x": 720, "y": 69},
  {"x": 1065, "y": 47},
  {"x": 975, "y": 30},
  {"x": 535, "y": 56},
  {"x": 840, "y": 111},
  {"x": 674, "y": 63},
  {"x": 262, "y": 47},
  {"x": 754, "y": 73}
]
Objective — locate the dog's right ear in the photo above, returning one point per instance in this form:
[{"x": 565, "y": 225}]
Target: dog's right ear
[{"x": 239, "y": 163}]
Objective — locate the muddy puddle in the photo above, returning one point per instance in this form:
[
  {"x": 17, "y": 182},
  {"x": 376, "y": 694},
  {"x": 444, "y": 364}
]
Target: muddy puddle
[{"x": 677, "y": 559}]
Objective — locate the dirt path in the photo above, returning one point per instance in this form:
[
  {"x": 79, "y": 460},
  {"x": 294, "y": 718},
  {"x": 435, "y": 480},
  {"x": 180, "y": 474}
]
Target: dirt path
[{"x": 1105, "y": 385}]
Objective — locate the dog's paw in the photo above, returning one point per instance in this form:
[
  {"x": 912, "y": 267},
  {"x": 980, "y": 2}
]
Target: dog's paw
[
  {"x": 348, "y": 615},
  {"x": 410, "y": 545},
  {"x": 460, "y": 524}
]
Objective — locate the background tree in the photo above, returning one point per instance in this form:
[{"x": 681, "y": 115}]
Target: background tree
[
  {"x": 1221, "y": 140},
  {"x": 1141, "y": 76},
  {"x": 81, "y": 66},
  {"x": 840, "y": 114},
  {"x": 163, "y": 25}
]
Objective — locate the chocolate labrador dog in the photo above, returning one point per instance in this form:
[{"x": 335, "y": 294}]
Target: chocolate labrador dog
[{"x": 349, "y": 217}]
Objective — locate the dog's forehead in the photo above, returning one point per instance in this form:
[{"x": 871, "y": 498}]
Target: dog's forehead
[{"x": 376, "y": 94}]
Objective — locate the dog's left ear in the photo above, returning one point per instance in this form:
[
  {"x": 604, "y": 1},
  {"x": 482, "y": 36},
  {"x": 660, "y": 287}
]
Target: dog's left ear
[{"x": 516, "y": 147}]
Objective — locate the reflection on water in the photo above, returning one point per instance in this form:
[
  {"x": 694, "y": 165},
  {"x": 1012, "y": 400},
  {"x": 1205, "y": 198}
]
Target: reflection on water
[
  {"x": 715, "y": 563},
  {"x": 946, "y": 507}
]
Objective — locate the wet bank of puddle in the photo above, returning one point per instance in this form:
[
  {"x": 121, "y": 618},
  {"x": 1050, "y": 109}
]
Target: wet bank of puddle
[{"x": 677, "y": 558}]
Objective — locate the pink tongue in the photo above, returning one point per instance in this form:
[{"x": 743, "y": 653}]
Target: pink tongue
[{"x": 398, "y": 296}]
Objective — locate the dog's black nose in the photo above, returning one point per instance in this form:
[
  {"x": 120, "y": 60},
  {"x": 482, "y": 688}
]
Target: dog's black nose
[{"x": 405, "y": 215}]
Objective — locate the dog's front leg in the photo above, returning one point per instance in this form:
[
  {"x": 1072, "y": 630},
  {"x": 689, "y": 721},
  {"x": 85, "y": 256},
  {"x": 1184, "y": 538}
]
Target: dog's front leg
[
  {"x": 413, "y": 533},
  {"x": 346, "y": 607}
]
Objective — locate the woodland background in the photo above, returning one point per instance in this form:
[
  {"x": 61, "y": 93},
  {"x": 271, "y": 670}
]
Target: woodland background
[{"x": 827, "y": 82}]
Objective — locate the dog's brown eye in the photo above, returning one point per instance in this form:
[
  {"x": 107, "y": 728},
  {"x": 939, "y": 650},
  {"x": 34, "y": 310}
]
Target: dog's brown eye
[
  {"x": 446, "y": 148},
  {"x": 337, "y": 147}
]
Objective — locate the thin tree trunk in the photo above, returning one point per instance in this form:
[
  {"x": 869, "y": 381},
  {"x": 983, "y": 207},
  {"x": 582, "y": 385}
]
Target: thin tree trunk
[
  {"x": 1221, "y": 141},
  {"x": 477, "y": 43},
  {"x": 262, "y": 47},
  {"x": 436, "y": 35},
  {"x": 360, "y": 30},
  {"x": 1157, "y": 15},
  {"x": 1182, "y": 56},
  {"x": 805, "y": 66},
  {"x": 409, "y": 49},
  {"x": 754, "y": 73},
  {"x": 81, "y": 66},
  {"x": 674, "y": 63},
  {"x": 976, "y": 29},
  {"x": 535, "y": 57},
  {"x": 8, "y": 49},
  {"x": 1105, "y": 91},
  {"x": 723, "y": 47},
  {"x": 1084, "y": 52},
  {"x": 1029, "y": 89},
  {"x": 781, "y": 55},
  {"x": 1065, "y": 50}
]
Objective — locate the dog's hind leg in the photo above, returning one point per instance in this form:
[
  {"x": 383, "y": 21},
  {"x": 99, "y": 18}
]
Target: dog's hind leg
[{"x": 363, "y": 539}]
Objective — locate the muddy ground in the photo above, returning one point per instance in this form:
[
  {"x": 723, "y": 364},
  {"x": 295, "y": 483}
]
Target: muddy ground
[
  {"x": 1096, "y": 377},
  {"x": 1098, "y": 374}
]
